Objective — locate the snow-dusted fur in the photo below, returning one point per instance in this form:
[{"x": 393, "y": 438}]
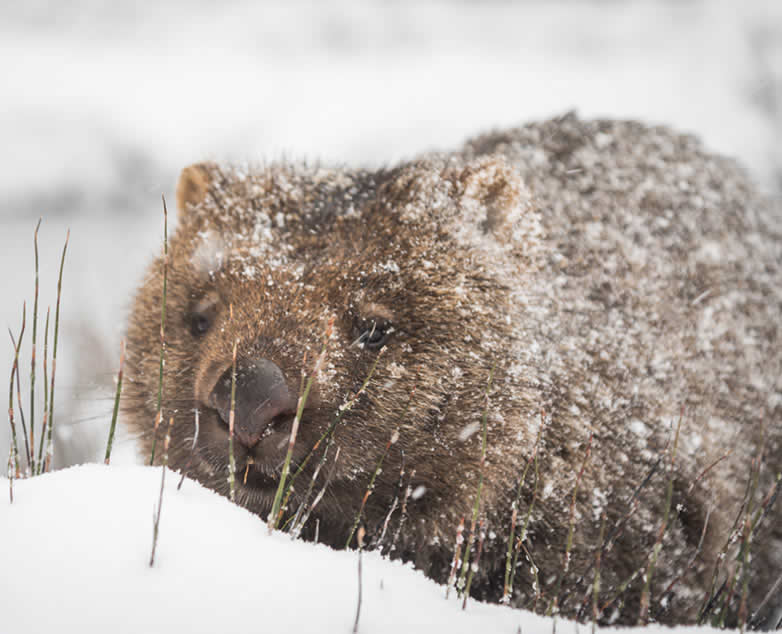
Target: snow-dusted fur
[{"x": 614, "y": 276}]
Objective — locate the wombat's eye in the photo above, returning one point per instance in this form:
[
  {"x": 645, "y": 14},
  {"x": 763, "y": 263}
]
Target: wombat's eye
[
  {"x": 201, "y": 316},
  {"x": 374, "y": 333},
  {"x": 199, "y": 324}
]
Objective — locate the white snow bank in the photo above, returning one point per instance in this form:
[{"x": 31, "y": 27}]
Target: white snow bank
[{"x": 75, "y": 553}]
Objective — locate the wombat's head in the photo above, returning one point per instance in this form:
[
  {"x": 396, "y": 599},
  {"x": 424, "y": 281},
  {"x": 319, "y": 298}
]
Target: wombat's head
[{"x": 417, "y": 264}]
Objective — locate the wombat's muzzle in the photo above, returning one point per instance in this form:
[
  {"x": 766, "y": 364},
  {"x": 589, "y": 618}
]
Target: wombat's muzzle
[{"x": 261, "y": 395}]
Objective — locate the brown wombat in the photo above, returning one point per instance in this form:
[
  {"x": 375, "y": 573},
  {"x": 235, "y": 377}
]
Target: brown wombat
[{"x": 616, "y": 278}]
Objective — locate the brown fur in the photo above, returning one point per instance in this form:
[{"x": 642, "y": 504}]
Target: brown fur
[{"x": 612, "y": 274}]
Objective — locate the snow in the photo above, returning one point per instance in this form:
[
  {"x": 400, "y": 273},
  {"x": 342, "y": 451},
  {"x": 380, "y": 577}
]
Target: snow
[{"x": 75, "y": 555}]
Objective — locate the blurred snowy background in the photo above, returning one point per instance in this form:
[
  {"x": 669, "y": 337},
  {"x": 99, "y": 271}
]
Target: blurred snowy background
[{"x": 101, "y": 104}]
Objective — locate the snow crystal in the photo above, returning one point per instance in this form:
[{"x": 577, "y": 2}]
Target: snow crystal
[{"x": 418, "y": 492}]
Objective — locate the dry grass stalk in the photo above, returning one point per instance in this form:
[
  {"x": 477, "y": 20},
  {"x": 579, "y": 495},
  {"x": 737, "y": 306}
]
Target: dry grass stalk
[
  {"x": 643, "y": 617},
  {"x": 708, "y": 469},
  {"x": 308, "y": 510},
  {"x": 29, "y": 451},
  {"x": 523, "y": 536},
  {"x": 14, "y": 369},
  {"x": 371, "y": 485},
  {"x": 668, "y": 593},
  {"x": 344, "y": 408},
  {"x": 275, "y": 515},
  {"x": 633, "y": 502},
  {"x": 507, "y": 589},
  {"x": 156, "y": 513},
  {"x": 159, "y": 415},
  {"x": 360, "y": 538},
  {"x": 477, "y": 503},
  {"x": 11, "y": 475},
  {"x": 457, "y": 554},
  {"x": 294, "y": 520},
  {"x": 15, "y": 373},
  {"x": 554, "y": 605},
  {"x": 32, "y": 360},
  {"x": 115, "y": 413},
  {"x": 596, "y": 583},
  {"x": 196, "y": 414},
  {"x": 49, "y": 437},
  {"x": 754, "y": 621},
  {"x": 474, "y": 567},
  {"x": 403, "y": 512},
  {"x": 45, "y": 421},
  {"x": 724, "y": 593},
  {"x": 535, "y": 580},
  {"x": 231, "y": 417}
]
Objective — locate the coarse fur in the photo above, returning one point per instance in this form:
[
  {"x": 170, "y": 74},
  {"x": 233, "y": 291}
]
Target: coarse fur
[{"x": 616, "y": 277}]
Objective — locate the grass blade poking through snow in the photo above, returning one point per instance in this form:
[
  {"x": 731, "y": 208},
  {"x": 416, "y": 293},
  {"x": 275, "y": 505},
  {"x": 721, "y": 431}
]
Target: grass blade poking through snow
[
  {"x": 457, "y": 553},
  {"x": 15, "y": 373},
  {"x": 14, "y": 368},
  {"x": 45, "y": 421},
  {"x": 196, "y": 416},
  {"x": 49, "y": 442},
  {"x": 159, "y": 415},
  {"x": 360, "y": 550},
  {"x": 371, "y": 485},
  {"x": 11, "y": 475},
  {"x": 32, "y": 362},
  {"x": 156, "y": 514},
  {"x": 596, "y": 583},
  {"x": 553, "y": 608},
  {"x": 345, "y": 407},
  {"x": 274, "y": 516},
  {"x": 477, "y": 504},
  {"x": 475, "y": 566},
  {"x": 231, "y": 418},
  {"x": 644, "y": 611},
  {"x": 116, "y": 403},
  {"x": 507, "y": 590}
]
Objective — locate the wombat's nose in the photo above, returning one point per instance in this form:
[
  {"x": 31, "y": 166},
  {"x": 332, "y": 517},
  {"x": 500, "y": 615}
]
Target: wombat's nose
[{"x": 261, "y": 394}]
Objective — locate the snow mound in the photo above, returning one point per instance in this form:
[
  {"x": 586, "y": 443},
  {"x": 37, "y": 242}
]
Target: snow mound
[{"x": 75, "y": 550}]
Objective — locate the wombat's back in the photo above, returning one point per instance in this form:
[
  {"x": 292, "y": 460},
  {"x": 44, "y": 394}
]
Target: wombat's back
[{"x": 660, "y": 297}]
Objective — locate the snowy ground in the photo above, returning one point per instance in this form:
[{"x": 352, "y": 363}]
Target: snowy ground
[
  {"x": 101, "y": 105},
  {"x": 216, "y": 569}
]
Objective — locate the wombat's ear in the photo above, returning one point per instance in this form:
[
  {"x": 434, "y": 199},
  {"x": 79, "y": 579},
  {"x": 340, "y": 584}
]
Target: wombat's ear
[
  {"x": 192, "y": 186},
  {"x": 493, "y": 197}
]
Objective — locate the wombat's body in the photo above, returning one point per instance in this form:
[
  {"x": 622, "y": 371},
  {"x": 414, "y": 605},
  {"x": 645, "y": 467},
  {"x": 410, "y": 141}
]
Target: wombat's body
[{"x": 615, "y": 276}]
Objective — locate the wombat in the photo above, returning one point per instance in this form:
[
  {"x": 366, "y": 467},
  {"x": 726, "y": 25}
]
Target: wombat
[{"x": 602, "y": 298}]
